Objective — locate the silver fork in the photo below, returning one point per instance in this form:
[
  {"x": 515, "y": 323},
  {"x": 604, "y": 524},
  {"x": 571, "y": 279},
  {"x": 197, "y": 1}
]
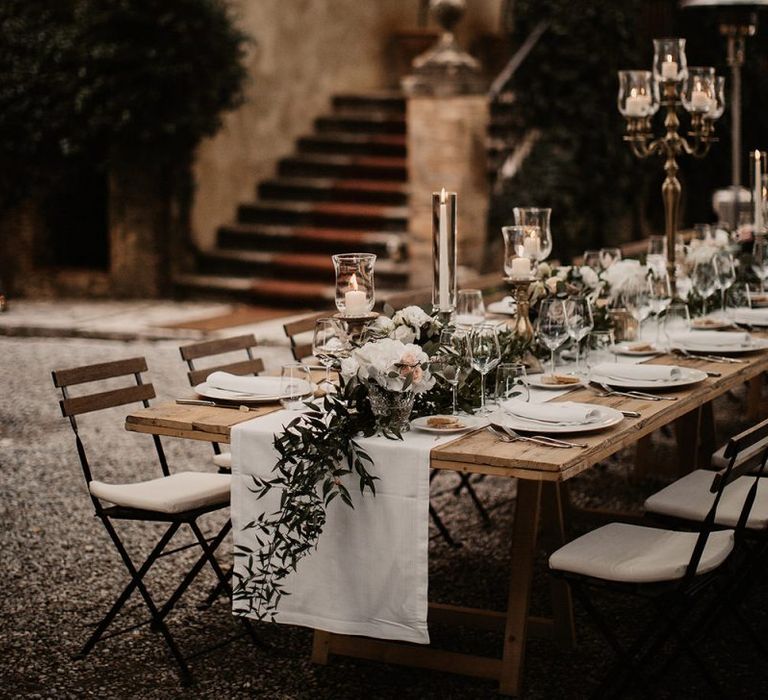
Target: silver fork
[
  {"x": 710, "y": 358},
  {"x": 506, "y": 435},
  {"x": 610, "y": 391}
]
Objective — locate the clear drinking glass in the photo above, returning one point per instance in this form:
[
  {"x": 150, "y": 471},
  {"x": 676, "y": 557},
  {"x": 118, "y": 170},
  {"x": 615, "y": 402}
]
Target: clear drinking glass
[
  {"x": 704, "y": 280},
  {"x": 738, "y": 296},
  {"x": 552, "y": 326},
  {"x": 608, "y": 256},
  {"x": 592, "y": 259},
  {"x": 677, "y": 323},
  {"x": 329, "y": 344},
  {"x": 470, "y": 309},
  {"x": 725, "y": 272},
  {"x": 451, "y": 361},
  {"x": 511, "y": 383},
  {"x": 295, "y": 386},
  {"x": 636, "y": 300},
  {"x": 659, "y": 297},
  {"x": 657, "y": 253},
  {"x": 580, "y": 323},
  {"x": 599, "y": 344},
  {"x": 485, "y": 354},
  {"x": 760, "y": 260},
  {"x": 355, "y": 294},
  {"x": 536, "y": 216}
]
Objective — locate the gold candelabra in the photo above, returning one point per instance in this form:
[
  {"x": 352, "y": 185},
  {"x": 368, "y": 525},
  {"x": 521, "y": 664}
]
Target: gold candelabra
[
  {"x": 521, "y": 324},
  {"x": 669, "y": 147}
]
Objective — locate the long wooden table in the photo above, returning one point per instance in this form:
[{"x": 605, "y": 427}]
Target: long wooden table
[{"x": 540, "y": 518}]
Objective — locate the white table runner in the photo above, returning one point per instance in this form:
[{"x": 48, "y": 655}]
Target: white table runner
[{"x": 369, "y": 574}]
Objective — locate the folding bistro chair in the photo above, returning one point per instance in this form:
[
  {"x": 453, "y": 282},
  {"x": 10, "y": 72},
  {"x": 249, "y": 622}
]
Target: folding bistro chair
[
  {"x": 174, "y": 499},
  {"x": 682, "y": 574},
  {"x": 196, "y": 375}
]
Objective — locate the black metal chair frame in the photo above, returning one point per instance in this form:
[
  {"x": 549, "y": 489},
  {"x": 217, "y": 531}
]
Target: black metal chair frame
[
  {"x": 675, "y": 602},
  {"x": 175, "y": 521}
]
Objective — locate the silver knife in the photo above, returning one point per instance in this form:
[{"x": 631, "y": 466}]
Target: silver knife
[{"x": 200, "y": 402}]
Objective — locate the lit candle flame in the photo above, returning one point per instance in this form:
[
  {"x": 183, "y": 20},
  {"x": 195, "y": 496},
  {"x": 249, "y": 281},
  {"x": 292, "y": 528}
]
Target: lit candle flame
[
  {"x": 442, "y": 196},
  {"x": 353, "y": 282}
]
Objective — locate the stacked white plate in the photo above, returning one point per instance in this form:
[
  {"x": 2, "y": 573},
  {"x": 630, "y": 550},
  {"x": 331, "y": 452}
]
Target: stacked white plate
[
  {"x": 222, "y": 386},
  {"x": 559, "y": 417},
  {"x": 751, "y": 317},
  {"x": 645, "y": 376},
  {"x": 719, "y": 342}
]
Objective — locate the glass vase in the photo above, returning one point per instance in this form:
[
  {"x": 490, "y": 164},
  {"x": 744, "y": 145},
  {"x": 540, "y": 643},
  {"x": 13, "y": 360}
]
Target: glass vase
[{"x": 391, "y": 408}]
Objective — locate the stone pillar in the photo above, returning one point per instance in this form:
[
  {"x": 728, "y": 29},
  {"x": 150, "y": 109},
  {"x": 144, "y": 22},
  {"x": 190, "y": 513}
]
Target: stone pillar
[{"x": 447, "y": 120}]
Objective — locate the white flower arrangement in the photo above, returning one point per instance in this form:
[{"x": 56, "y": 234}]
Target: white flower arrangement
[
  {"x": 390, "y": 363},
  {"x": 408, "y": 325},
  {"x": 623, "y": 275}
]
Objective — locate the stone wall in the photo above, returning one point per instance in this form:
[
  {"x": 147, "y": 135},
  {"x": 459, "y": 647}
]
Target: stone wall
[{"x": 304, "y": 51}]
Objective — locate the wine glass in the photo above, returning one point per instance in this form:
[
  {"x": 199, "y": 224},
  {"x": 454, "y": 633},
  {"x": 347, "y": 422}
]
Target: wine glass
[
  {"x": 552, "y": 326},
  {"x": 677, "y": 323},
  {"x": 657, "y": 253},
  {"x": 599, "y": 344},
  {"x": 580, "y": 323},
  {"x": 737, "y": 297},
  {"x": 704, "y": 280},
  {"x": 760, "y": 260},
  {"x": 608, "y": 256},
  {"x": 295, "y": 386},
  {"x": 592, "y": 259},
  {"x": 470, "y": 309},
  {"x": 485, "y": 354},
  {"x": 329, "y": 344},
  {"x": 511, "y": 383},
  {"x": 659, "y": 297},
  {"x": 449, "y": 364},
  {"x": 636, "y": 300},
  {"x": 725, "y": 273}
]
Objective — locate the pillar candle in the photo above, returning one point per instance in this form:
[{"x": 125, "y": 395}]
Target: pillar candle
[
  {"x": 354, "y": 299},
  {"x": 444, "y": 295},
  {"x": 669, "y": 69},
  {"x": 521, "y": 268},
  {"x": 757, "y": 195}
]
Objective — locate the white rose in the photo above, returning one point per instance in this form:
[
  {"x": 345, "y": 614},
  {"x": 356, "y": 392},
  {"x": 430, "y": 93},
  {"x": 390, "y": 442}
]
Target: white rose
[
  {"x": 551, "y": 284},
  {"x": 589, "y": 276},
  {"x": 349, "y": 367},
  {"x": 562, "y": 272},
  {"x": 383, "y": 325},
  {"x": 543, "y": 270},
  {"x": 405, "y": 334}
]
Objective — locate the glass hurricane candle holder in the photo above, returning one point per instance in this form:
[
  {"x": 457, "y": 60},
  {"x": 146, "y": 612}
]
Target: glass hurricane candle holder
[
  {"x": 698, "y": 93},
  {"x": 538, "y": 217},
  {"x": 354, "y": 283},
  {"x": 520, "y": 243},
  {"x": 637, "y": 98},
  {"x": 718, "y": 105},
  {"x": 669, "y": 62}
]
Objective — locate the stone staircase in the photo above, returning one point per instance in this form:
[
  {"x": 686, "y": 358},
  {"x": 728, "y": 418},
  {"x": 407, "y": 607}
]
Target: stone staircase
[{"x": 343, "y": 190}]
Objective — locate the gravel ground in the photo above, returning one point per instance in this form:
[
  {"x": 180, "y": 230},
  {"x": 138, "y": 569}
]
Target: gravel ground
[{"x": 61, "y": 572}]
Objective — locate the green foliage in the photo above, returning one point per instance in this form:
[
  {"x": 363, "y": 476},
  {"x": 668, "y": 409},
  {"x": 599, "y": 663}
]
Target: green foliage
[
  {"x": 95, "y": 79},
  {"x": 567, "y": 90}
]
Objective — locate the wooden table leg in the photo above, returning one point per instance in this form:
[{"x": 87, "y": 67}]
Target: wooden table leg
[
  {"x": 525, "y": 531},
  {"x": 644, "y": 464},
  {"x": 755, "y": 409},
  {"x": 321, "y": 643},
  {"x": 687, "y": 433}
]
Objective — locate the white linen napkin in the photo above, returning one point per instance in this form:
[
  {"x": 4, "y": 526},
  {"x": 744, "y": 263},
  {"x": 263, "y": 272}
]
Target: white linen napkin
[
  {"x": 561, "y": 413},
  {"x": 712, "y": 338},
  {"x": 369, "y": 573},
  {"x": 747, "y": 315},
  {"x": 260, "y": 386},
  {"x": 648, "y": 373}
]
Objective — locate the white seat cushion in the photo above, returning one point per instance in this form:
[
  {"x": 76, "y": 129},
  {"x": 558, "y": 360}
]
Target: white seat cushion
[
  {"x": 636, "y": 554},
  {"x": 223, "y": 460},
  {"x": 169, "y": 494},
  {"x": 690, "y": 498}
]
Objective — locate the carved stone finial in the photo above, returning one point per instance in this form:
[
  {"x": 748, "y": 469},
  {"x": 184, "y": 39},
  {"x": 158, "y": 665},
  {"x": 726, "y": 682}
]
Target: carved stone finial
[{"x": 445, "y": 69}]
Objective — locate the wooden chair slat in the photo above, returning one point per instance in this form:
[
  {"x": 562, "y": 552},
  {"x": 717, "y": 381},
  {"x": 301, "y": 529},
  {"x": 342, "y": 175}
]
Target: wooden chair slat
[
  {"x": 106, "y": 399},
  {"x": 301, "y": 351},
  {"x": 93, "y": 373},
  {"x": 216, "y": 347},
  {"x": 254, "y": 366},
  {"x": 305, "y": 324}
]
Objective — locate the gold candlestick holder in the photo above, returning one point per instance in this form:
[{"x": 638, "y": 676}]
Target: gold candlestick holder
[
  {"x": 521, "y": 325},
  {"x": 356, "y": 324}
]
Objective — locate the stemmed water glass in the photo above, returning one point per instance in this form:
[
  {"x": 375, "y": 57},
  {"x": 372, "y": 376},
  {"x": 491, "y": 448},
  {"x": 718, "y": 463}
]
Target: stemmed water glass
[
  {"x": 705, "y": 280},
  {"x": 592, "y": 259},
  {"x": 760, "y": 260},
  {"x": 295, "y": 386},
  {"x": 485, "y": 354},
  {"x": 636, "y": 300},
  {"x": 511, "y": 383},
  {"x": 677, "y": 323},
  {"x": 450, "y": 361},
  {"x": 552, "y": 326},
  {"x": 329, "y": 344},
  {"x": 657, "y": 253},
  {"x": 470, "y": 309},
  {"x": 659, "y": 296},
  {"x": 725, "y": 273},
  {"x": 580, "y": 323}
]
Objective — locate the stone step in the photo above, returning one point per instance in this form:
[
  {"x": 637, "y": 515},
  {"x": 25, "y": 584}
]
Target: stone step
[
  {"x": 310, "y": 239},
  {"x": 273, "y": 292},
  {"x": 336, "y": 214},
  {"x": 384, "y": 100},
  {"x": 381, "y": 122},
  {"x": 287, "y": 265},
  {"x": 350, "y": 143},
  {"x": 344, "y": 166},
  {"x": 318, "y": 189}
]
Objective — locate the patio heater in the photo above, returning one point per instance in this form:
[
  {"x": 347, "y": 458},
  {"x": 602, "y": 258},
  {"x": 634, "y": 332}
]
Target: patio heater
[{"x": 737, "y": 20}]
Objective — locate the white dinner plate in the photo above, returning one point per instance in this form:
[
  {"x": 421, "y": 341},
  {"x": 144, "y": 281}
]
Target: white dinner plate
[
  {"x": 755, "y": 344},
  {"x": 467, "y": 423},
  {"x": 626, "y": 349},
  {"x": 747, "y": 319},
  {"x": 710, "y": 324},
  {"x": 210, "y": 392},
  {"x": 607, "y": 418},
  {"x": 688, "y": 376},
  {"x": 759, "y": 300},
  {"x": 508, "y": 308},
  {"x": 535, "y": 380}
]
